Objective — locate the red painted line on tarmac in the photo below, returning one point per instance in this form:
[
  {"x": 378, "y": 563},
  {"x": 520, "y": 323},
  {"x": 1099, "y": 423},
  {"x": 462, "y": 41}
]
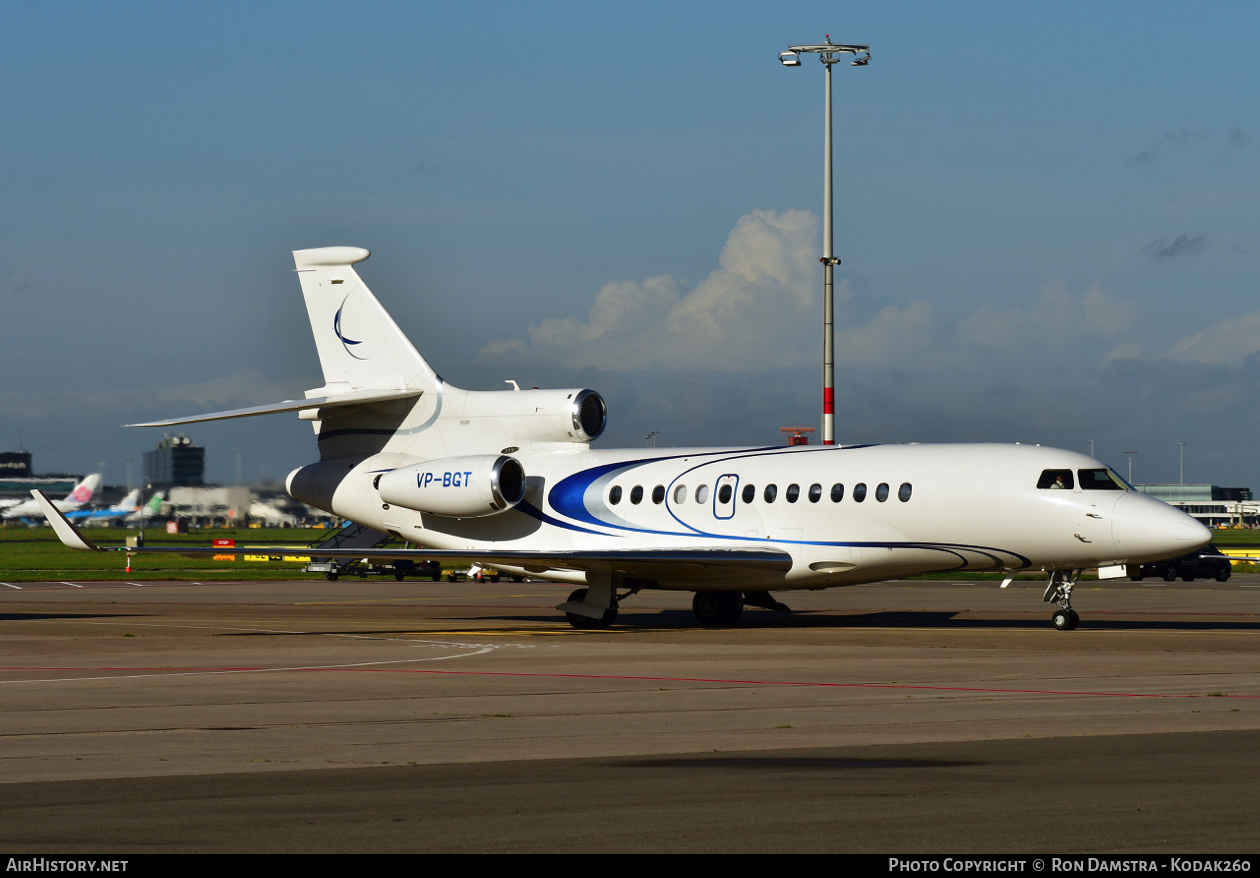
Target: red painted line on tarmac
[{"x": 899, "y": 686}]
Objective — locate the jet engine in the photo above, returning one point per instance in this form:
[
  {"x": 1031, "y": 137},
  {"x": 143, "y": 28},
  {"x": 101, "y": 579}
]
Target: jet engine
[
  {"x": 511, "y": 417},
  {"x": 458, "y": 487}
]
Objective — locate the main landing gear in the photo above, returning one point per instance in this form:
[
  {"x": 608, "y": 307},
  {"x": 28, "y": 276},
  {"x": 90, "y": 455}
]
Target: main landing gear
[
  {"x": 1059, "y": 591},
  {"x": 595, "y": 607},
  {"x": 714, "y": 609},
  {"x": 584, "y": 622}
]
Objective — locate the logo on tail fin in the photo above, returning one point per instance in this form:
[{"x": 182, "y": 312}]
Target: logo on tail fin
[{"x": 345, "y": 342}]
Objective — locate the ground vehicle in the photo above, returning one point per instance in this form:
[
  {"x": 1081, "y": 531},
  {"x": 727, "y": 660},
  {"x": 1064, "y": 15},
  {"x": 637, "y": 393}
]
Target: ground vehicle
[{"x": 1204, "y": 563}]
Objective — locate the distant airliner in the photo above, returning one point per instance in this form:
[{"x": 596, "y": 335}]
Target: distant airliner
[
  {"x": 79, "y": 497},
  {"x": 128, "y": 509},
  {"x": 507, "y": 478}
]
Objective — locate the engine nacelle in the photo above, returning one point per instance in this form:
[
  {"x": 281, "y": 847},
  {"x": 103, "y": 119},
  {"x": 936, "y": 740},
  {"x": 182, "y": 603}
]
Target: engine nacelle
[
  {"x": 458, "y": 487},
  {"x": 518, "y": 417}
]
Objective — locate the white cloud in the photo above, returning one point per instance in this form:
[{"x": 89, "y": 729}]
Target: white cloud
[
  {"x": 1058, "y": 317},
  {"x": 1226, "y": 343},
  {"x": 759, "y": 309}
]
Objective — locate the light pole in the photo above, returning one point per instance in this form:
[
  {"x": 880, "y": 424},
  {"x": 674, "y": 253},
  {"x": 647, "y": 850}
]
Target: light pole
[
  {"x": 1091, "y": 447},
  {"x": 1130, "y": 454},
  {"x": 1181, "y": 446},
  {"x": 829, "y": 53}
]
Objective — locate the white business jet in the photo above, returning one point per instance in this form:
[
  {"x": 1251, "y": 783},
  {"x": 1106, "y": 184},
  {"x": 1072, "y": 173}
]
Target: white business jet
[{"x": 507, "y": 478}]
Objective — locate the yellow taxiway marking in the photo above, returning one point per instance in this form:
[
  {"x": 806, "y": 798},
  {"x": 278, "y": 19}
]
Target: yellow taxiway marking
[{"x": 463, "y": 599}]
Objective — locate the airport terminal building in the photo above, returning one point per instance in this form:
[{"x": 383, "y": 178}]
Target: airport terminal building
[{"x": 1211, "y": 504}]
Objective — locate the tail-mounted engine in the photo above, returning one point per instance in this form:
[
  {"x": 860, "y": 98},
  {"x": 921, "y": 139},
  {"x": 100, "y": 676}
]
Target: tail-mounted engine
[
  {"x": 519, "y": 417},
  {"x": 458, "y": 487}
]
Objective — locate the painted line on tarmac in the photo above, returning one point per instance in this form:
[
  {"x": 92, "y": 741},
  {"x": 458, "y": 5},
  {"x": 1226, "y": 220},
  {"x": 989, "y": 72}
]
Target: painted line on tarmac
[
  {"x": 11, "y": 585},
  {"x": 212, "y": 672},
  {"x": 373, "y": 667},
  {"x": 71, "y": 584}
]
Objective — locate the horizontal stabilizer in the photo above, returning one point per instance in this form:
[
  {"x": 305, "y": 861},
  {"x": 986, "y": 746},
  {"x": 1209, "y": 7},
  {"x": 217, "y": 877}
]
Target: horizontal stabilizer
[
  {"x": 357, "y": 397},
  {"x": 65, "y": 531}
]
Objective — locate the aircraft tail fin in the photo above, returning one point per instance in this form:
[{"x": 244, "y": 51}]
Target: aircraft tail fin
[
  {"x": 360, "y": 347},
  {"x": 82, "y": 492},
  {"x": 131, "y": 502}
]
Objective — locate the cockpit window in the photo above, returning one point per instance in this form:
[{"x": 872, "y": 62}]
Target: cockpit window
[
  {"x": 1100, "y": 480},
  {"x": 1057, "y": 478}
]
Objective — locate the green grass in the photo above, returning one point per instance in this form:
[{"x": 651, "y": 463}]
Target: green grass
[
  {"x": 35, "y": 554},
  {"x": 1235, "y": 539}
]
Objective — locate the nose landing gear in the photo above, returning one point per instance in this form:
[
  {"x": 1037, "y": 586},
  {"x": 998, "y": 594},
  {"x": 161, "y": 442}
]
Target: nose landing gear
[{"x": 1059, "y": 591}]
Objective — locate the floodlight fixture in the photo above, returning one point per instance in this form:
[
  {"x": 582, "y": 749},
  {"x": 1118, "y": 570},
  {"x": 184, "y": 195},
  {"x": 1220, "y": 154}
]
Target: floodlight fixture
[{"x": 790, "y": 59}]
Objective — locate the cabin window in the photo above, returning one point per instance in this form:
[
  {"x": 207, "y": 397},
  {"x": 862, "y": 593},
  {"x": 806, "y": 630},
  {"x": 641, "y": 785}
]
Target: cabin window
[
  {"x": 680, "y": 494},
  {"x": 702, "y": 494},
  {"x": 837, "y": 492},
  {"x": 881, "y": 493},
  {"x": 636, "y": 495},
  {"x": 1056, "y": 478},
  {"x": 903, "y": 493},
  {"x": 770, "y": 493},
  {"x": 1099, "y": 480},
  {"x": 614, "y": 496},
  {"x": 793, "y": 493},
  {"x": 658, "y": 494},
  {"x": 859, "y": 492},
  {"x": 815, "y": 493},
  {"x": 724, "y": 494},
  {"x": 749, "y": 493}
]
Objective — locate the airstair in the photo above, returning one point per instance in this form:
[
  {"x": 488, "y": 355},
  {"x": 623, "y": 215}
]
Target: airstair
[{"x": 348, "y": 536}]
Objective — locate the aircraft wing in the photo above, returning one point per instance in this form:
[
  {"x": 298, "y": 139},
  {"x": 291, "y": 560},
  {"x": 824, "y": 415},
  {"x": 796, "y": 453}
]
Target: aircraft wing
[
  {"x": 358, "y": 397},
  {"x": 662, "y": 563}
]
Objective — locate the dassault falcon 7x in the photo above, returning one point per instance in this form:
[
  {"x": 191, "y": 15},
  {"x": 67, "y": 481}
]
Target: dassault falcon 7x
[{"x": 508, "y": 479}]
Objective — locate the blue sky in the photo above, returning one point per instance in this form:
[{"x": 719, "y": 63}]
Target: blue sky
[{"x": 1047, "y": 218}]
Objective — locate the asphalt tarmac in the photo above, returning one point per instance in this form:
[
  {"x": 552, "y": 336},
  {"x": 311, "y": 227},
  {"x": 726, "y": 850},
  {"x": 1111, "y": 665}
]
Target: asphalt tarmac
[{"x": 377, "y": 716}]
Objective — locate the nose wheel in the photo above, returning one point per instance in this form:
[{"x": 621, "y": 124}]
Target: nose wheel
[
  {"x": 1059, "y": 591},
  {"x": 1065, "y": 620}
]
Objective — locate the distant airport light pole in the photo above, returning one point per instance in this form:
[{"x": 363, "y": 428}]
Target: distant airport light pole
[
  {"x": 1130, "y": 453},
  {"x": 829, "y": 53},
  {"x": 1091, "y": 447},
  {"x": 1182, "y": 448}
]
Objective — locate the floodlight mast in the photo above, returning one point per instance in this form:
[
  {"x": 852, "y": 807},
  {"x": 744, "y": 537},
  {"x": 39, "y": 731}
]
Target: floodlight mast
[{"x": 829, "y": 53}]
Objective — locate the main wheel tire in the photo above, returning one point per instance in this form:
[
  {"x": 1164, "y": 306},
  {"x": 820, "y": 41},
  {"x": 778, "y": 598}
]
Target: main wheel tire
[
  {"x": 586, "y": 623},
  {"x": 717, "y": 608}
]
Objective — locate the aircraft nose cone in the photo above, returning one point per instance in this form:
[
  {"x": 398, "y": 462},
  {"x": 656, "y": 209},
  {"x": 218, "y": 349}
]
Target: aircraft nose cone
[{"x": 1148, "y": 529}]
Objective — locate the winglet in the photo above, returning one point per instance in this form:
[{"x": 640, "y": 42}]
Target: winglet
[{"x": 66, "y": 532}]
